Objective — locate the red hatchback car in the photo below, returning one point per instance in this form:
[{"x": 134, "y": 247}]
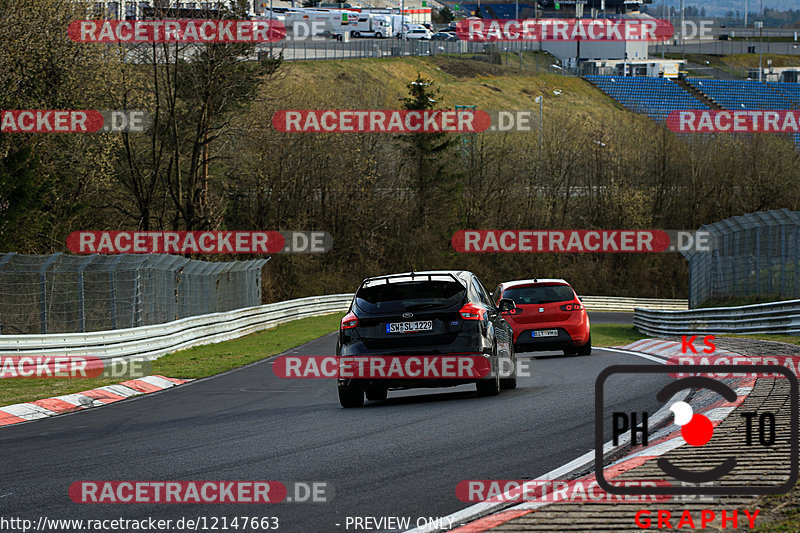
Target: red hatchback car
[{"x": 549, "y": 316}]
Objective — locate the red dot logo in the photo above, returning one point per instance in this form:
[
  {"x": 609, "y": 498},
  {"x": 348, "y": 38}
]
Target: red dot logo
[
  {"x": 698, "y": 431},
  {"x": 695, "y": 429}
]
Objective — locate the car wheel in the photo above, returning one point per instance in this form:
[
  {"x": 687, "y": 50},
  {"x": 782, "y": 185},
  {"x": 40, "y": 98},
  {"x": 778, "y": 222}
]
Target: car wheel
[
  {"x": 379, "y": 35},
  {"x": 490, "y": 387},
  {"x": 351, "y": 396},
  {"x": 356, "y": 34},
  {"x": 510, "y": 383},
  {"x": 586, "y": 349},
  {"x": 570, "y": 351},
  {"x": 375, "y": 394}
]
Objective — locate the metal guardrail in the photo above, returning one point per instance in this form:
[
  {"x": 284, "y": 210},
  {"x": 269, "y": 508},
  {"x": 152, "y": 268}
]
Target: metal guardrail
[
  {"x": 151, "y": 342},
  {"x": 615, "y": 303},
  {"x": 782, "y": 318}
]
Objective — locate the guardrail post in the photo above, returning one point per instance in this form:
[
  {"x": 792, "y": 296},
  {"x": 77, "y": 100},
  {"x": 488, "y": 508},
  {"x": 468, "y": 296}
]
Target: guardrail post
[
  {"x": 6, "y": 258},
  {"x": 796, "y": 291},
  {"x": 136, "y": 306},
  {"x": 43, "y": 291},
  {"x": 783, "y": 261},
  {"x": 82, "y": 295},
  {"x": 758, "y": 263},
  {"x": 112, "y": 291}
]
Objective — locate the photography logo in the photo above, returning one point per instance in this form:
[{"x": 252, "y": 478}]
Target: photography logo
[{"x": 767, "y": 431}]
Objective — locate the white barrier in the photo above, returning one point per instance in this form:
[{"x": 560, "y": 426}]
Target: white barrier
[
  {"x": 781, "y": 318},
  {"x": 614, "y": 303},
  {"x": 151, "y": 342}
]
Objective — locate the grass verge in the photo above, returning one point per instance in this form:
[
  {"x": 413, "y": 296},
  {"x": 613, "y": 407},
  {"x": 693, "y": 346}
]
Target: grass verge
[
  {"x": 604, "y": 335},
  {"x": 198, "y": 362}
]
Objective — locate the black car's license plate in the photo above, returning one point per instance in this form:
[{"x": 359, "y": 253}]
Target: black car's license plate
[{"x": 409, "y": 327}]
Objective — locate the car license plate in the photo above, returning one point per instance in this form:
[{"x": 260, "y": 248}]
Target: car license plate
[
  {"x": 545, "y": 333},
  {"x": 409, "y": 327}
]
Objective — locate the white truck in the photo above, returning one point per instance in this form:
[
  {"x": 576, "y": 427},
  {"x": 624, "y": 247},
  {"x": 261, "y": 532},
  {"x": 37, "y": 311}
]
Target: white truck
[
  {"x": 310, "y": 22},
  {"x": 397, "y": 23},
  {"x": 305, "y": 23},
  {"x": 368, "y": 25}
]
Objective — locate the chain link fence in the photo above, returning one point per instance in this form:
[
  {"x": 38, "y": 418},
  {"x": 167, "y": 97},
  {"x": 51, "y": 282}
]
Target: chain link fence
[
  {"x": 757, "y": 254},
  {"x": 66, "y": 293},
  {"x": 507, "y": 53}
]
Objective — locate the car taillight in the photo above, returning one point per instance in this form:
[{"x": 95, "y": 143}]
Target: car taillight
[
  {"x": 350, "y": 320},
  {"x": 470, "y": 311},
  {"x": 571, "y": 307}
]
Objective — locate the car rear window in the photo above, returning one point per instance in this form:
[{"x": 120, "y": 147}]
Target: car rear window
[
  {"x": 407, "y": 296},
  {"x": 539, "y": 294}
]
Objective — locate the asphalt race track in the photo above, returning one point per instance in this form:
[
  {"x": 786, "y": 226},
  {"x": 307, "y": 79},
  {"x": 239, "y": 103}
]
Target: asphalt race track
[
  {"x": 400, "y": 457},
  {"x": 610, "y": 317}
]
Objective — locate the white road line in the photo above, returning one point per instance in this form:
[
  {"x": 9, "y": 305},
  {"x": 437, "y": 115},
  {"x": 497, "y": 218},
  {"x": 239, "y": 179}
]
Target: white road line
[
  {"x": 485, "y": 508},
  {"x": 654, "y": 358}
]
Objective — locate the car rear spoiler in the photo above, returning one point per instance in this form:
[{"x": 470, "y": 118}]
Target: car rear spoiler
[{"x": 411, "y": 275}]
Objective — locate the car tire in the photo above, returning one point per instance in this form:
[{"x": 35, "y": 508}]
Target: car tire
[
  {"x": 510, "y": 383},
  {"x": 355, "y": 34},
  {"x": 570, "y": 351},
  {"x": 351, "y": 396},
  {"x": 586, "y": 349},
  {"x": 379, "y": 35},
  {"x": 376, "y": 394},
  {"x": 490, "y": 387}
]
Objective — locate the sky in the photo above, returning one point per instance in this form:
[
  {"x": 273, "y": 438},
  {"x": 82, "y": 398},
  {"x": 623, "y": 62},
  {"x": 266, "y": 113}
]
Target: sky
[{"x": 721, "y": 7}]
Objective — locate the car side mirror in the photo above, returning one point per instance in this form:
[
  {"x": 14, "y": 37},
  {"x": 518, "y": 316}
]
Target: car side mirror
[{"x": 506, "y": 304}]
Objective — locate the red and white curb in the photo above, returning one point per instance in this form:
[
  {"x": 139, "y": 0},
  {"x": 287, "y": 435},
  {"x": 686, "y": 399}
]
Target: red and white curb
[
  {"x": 652, "y": 349},
  {"x": 664, "y": 348},
  {"x": 23, "y": 412}
]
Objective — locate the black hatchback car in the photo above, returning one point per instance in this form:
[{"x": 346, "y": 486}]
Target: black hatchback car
[{"x": 432, "y": 313}]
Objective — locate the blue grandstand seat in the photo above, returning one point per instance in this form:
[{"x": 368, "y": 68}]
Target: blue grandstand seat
[
  {"x": 791, "y": 91},
  {"x": 655, "y": 97},
  {"x": 736, "y": 94}
]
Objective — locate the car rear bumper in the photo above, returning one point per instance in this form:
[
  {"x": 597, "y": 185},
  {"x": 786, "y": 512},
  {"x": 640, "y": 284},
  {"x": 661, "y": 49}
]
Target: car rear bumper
[
  {"x": 421, "y": 382},
  {"x": 462, "y": 342},
  {"x": 526, "y": 342},
  {"x": 571, "y": 334}
]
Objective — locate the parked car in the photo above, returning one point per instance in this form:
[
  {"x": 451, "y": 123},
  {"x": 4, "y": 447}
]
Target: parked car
[
  {"x": 433, "y": 313},
  {"x": 444, "y": 36},
  {"x": 419, "y": 33},
  {"x": 548, "y": 316}
]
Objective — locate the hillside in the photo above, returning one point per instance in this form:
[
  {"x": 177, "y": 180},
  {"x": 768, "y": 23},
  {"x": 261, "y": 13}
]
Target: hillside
[{"x": 381, "y": 83}]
